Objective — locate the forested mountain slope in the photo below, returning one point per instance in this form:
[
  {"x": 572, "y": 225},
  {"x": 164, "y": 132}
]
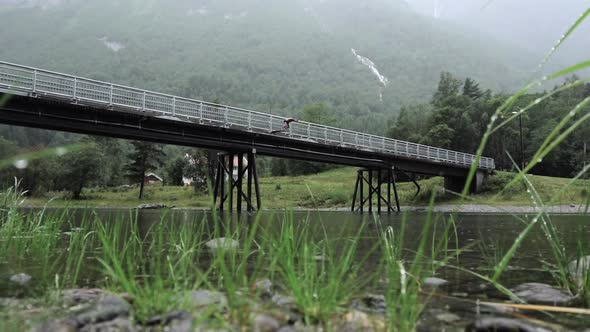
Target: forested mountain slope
[{"x": 364, "y": 59}]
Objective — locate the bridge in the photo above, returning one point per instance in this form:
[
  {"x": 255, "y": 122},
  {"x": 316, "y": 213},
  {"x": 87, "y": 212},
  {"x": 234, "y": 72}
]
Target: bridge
[{"x": 49, "y": 100}]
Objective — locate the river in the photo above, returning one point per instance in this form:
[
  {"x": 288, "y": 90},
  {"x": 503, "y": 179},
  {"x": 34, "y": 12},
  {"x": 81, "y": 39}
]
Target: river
[{"x": 480, "y": 242}]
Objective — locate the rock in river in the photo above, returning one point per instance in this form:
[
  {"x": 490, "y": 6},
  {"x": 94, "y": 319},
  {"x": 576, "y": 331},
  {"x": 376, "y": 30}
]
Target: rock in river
[
  {"x": 580, "y": 269},
  {"x": 151, "y": 206},
  {"x": 21, "y": 279},
  {"x": 434, "y": 282},
  {"x": 222, "y": 243},
  {"x": 538, "y": 293}
]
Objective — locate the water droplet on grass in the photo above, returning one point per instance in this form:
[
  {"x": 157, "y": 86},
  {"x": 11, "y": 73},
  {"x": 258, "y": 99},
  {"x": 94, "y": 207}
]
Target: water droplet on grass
[
  {"x": 21, "y": 163},
  {"x": 61, "y": 151}
]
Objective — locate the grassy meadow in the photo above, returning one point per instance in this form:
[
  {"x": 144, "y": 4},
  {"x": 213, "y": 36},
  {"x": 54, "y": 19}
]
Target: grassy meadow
[{"x": 331, "y": 189}]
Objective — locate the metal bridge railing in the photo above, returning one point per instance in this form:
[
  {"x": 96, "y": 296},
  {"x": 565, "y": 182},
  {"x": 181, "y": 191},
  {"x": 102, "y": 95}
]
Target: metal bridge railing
[{"x": 43, "y": 83}]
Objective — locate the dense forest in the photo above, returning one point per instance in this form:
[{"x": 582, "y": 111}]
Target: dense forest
[
  {"x": 459, "y": 113},
  {"x": 267, "y": 55}
]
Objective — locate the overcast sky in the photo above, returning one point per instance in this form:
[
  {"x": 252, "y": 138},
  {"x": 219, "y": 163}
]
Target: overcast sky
[{"x": 533, "y": 24}]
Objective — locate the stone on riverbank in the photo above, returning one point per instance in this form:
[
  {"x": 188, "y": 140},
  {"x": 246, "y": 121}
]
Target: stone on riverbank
[
  {"x": 371, "y": 302},
  {"x": 109, "y": 307},
  {"x": 283, "y": 301},
  {"x": 538, "y": 293},
  {"x": 266, "y": 323},
  {"x": 108, "y": 313},
  {"x": 21, "y": 279},
  {"x": 486, "y": 324},
  {"x": 359, "y": 321},
  {"x": 177, "y": 321},
  {"x": 55, "y": 326},
  {"x": 206, "y": 298},
  {"x": 263, "y": 287},
  {"x": 76, "y": 296},
  {"x": 118, "y": 324}
]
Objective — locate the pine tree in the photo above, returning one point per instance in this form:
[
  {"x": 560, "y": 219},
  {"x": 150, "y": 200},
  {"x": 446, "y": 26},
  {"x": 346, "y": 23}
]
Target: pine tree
[
  {"x": 144, "y": 157},
  {"x": 471, "y": 89},
  {"x": 448, "y": 87}
]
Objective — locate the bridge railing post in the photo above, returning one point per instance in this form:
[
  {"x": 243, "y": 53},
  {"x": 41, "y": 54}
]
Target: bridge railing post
[
  {"x": 174, "y": 106},
  {"x": 143, "y": 102},
  {"x": 249, "y": 121},
  {"x": 111, "y": 95},
  {"x": 75, "y": 88},
  {"x": 35, "y": 81},
  {"x": 200, "y": 112},
  {"x": 270, "y": 123}
]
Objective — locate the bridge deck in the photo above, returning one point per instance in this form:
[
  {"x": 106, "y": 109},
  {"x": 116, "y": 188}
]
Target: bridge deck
[{"x": 177, "y": 112}]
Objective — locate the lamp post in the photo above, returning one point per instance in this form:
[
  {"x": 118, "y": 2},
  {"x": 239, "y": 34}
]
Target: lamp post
[{"x": 521, "y": 140}]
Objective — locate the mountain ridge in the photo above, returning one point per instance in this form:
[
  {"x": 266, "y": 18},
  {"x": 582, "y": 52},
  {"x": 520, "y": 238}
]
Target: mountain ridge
[{"x": 269, "y": 56}]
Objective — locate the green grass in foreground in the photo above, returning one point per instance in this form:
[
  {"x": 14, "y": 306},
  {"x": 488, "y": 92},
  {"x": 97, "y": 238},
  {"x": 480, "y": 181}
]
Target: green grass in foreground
[
  {"x": 332, "y": 189},
  {"x": 158, "y": 266}
]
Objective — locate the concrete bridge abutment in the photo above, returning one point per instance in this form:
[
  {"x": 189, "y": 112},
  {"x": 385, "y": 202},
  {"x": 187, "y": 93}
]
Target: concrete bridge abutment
[{"x": 457, "y": 183}]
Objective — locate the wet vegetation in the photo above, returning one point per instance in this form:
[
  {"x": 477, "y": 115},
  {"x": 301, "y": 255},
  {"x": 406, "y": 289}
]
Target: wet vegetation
[{"x": 228, "y": 272}]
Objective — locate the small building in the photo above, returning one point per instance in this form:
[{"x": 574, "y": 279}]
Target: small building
[
  {"x": 187, "y": 182},
  {"x": 152, "y": 178}
]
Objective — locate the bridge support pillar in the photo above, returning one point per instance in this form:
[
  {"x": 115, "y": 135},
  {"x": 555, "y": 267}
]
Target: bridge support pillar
[
  {"x": 374, "y": 179},
  {"x": 456, "y": 184},
  {"x": 229, "y": 179}
]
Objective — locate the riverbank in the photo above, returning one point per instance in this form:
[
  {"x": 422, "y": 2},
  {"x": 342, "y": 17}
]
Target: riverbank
[
  {"x": 333, "y": 190},
  {"x": 317, "y": 271}
]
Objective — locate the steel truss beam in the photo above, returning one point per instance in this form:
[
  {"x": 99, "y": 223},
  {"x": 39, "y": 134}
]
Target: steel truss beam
[
  {"x": 374, "y": 179},
  {"x": 226, "y": 185}
]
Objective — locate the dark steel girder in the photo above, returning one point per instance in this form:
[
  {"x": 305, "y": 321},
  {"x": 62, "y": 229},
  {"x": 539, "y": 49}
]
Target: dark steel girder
[{"x": 56, "y": 115}]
